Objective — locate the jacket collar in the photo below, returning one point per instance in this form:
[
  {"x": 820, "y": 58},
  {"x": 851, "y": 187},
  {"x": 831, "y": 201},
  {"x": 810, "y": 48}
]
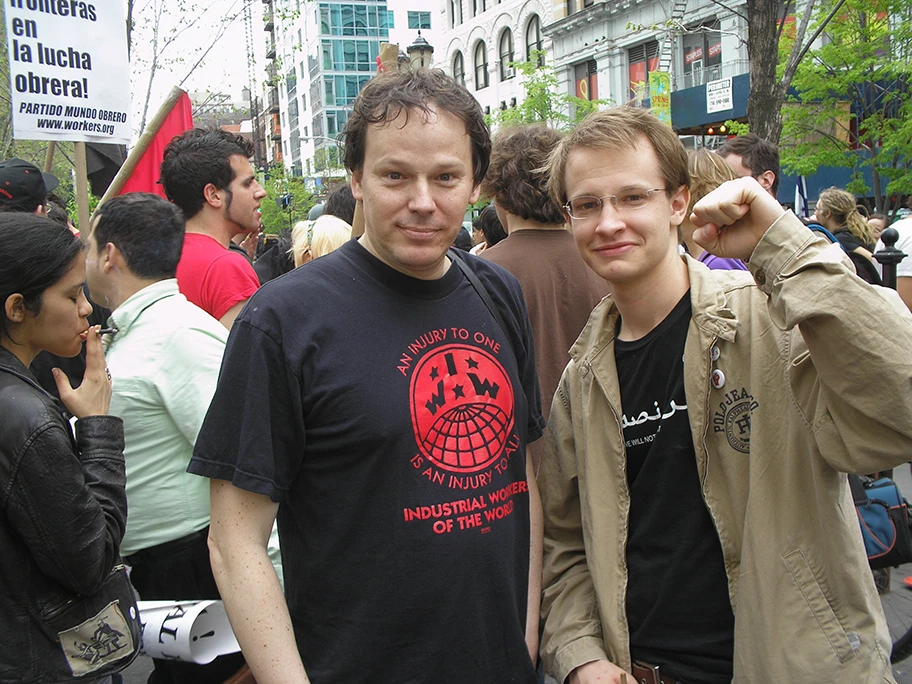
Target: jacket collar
[
  {"x": 709, "y": 305},
  {"x": 10, "y": 363}
]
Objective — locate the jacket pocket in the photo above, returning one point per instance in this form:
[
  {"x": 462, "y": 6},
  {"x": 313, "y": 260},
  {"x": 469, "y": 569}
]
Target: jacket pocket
[{"x": 807, "y": 584}]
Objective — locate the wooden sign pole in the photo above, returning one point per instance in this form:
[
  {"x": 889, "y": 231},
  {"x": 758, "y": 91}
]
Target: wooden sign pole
[
  {"x": 82, "y": 187},
  {"x": 49, "y": 157},
  {"x": 139, "y": 149}
]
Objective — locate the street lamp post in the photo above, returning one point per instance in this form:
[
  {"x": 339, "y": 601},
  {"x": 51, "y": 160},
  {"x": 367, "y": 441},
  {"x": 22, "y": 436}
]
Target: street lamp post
[{"x": 420, "y": 53}]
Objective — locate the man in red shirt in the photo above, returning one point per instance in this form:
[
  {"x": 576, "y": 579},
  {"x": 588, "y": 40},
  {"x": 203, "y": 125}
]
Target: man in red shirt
[{"x": 207, "y": 174}]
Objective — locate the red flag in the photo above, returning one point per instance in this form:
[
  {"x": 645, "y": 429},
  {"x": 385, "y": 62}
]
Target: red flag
[{"x": 148, "y": 172}]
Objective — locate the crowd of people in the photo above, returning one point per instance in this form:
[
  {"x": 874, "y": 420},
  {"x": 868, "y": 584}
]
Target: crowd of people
[{"x": 608, "y": 445}]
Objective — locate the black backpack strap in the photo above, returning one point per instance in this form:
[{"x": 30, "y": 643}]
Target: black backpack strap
[
  {"x": 480, "y": 289},
  {"x": 858, "y": 491}
]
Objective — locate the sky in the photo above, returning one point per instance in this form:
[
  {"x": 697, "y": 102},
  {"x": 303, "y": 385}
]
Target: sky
[{"x": 224, "y": 68}]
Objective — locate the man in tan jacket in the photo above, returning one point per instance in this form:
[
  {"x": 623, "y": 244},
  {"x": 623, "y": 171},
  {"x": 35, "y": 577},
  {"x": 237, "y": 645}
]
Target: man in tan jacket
[{"x": 698, "y": 523}]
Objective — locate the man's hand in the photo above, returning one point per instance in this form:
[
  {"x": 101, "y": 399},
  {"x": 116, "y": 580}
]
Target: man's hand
[
  {"x": 599, "y": 672},
  {"x": 250, "y": 242},
  {"x": 732, "y": 218}
]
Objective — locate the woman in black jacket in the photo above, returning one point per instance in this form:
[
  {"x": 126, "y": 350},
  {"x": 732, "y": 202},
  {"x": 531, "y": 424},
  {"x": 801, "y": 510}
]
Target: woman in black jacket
[
  {"x": 837, "y": 211},
  {"x": 62, "y": 502}
]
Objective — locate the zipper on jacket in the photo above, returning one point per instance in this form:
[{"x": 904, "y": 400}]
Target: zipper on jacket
[
  {"x": 54, "y": 611},
  {"x": 622, "y": 593},
  {"x": 705, "y": 474}
]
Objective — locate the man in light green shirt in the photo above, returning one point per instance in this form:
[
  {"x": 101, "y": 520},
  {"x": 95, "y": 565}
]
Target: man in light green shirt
[{"x": 164, "y": 357}]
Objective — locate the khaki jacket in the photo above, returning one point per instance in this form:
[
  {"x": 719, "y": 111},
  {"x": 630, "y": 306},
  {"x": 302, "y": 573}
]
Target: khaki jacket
[{"x": 818, "y": 382}]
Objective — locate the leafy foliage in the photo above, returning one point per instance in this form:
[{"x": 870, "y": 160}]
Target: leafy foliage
[
  {"x": 543, "y": 101},
  {"x": 278, "y": 184},
  {"x": 737, "y": 127},
  {"x": 853, "y": 108}
]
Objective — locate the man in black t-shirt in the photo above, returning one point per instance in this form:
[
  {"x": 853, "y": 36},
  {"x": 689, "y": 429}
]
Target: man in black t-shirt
[
  {"x": 371, "y": 402},
  {"x": 699, "y": 528}
]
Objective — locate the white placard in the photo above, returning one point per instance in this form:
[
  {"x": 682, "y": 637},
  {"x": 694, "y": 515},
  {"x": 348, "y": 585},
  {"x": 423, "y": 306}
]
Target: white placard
[
  {"x": 719, "y": 96},
  {"x": 69, "y": 73},
  {"x": 189, "y": 631}
]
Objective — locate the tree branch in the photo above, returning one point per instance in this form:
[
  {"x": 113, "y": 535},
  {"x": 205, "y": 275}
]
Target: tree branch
[
  {"x": 819, "y": 30},
  {"x": 726, "y": 7},
  {"x": 794, "y": 59}
]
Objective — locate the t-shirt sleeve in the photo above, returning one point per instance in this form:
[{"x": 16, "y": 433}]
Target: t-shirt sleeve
[
  {"x": 528, "y": 373},
  {"x": 904, "y": 244},
  {"x": 507, "y": 294},
  {"x": 253, "y": 433},
  {"x": 230, "y": 280}
]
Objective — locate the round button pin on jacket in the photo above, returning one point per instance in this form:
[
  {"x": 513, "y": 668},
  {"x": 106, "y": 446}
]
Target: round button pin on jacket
[{"x": 718, "y": 379}]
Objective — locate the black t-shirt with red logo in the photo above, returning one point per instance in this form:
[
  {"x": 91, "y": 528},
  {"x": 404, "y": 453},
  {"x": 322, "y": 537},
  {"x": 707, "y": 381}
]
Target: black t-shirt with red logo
[{"x": 389, "y": 417}]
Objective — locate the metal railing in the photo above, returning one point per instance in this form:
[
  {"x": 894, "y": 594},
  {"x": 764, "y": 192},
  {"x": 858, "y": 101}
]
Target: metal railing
[{"x": 703, "y": 75}]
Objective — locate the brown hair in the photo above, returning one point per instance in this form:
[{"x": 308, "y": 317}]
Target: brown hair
[
  {"x": 843, "y": 209},
  {"x": 707, "y": 172},
  {"x": 621, "y": 128},
  {"x": 516, "y": 178},
  {"x": 756, "y": 154},
  {"x": 387, "y": 96}
]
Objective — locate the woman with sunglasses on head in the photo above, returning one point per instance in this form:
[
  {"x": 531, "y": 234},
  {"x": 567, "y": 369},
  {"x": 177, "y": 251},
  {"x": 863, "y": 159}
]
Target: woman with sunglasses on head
[{"x": 62, "y": 502}]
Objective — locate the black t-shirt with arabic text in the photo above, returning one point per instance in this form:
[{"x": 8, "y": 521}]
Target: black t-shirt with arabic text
[{"x": 678, "y": 608}]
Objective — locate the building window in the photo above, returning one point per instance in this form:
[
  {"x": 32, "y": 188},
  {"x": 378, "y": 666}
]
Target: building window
[
  {"x": 342, "y": 90},
  {"x": 642, "y": 61},
  {"x": 293, "y": 114},
  {"x": 459, "y": 68},
  {"x": 291, "y": 83},
  {"x": 350, "y": 55},
  {"x": 702, "y": 54},
  {"x": 419, "y": 20},
  {"x": 585, "y": 78},
  {"x": 335, "y": 122},
  {"x": 506, "y": 55},
  {"x": 481, "y": 66},
  {"x": 353, "y": 20},
  {"x": 534, "y": 39},
  {"x": 455, "y": 12},
  {"x": 571, "y": 7}
]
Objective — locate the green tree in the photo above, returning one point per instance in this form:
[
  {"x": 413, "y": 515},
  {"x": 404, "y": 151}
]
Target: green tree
[
  {"x": 277, "y": 215},
  {"x": 777, "y": 42},
  {"x": 543, "y": 101},
  {"x": 853, "y": 109}
]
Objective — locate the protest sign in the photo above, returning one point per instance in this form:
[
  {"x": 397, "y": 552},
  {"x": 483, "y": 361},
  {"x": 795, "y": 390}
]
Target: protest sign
[
  {"x": 189, "y": 631},
  {"x": 69, "y": 72}
]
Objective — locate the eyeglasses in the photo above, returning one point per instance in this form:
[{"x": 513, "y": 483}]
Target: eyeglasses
[{"x": 587, "y": 206}]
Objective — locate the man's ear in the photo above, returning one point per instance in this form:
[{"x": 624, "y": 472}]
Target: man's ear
[
  {"x": 110, "y": 256},
  {"x": 14, "y": 306},
  {"x": 679, "y": 203},
  {"x": 212, "y": 195},
  {"x": 766, "y": 180},
  {"x": 356, "y": 184}
]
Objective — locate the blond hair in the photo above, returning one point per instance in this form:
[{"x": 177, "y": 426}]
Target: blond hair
[
  {"x": 707, "y": 172},
  {"x": 844, "y": 210},
  {"x": 620, "y": 128},
  {"x": 318, "y": 238}
]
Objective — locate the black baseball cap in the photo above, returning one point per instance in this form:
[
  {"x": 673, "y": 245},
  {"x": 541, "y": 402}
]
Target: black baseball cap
[{"x": 24, "y": 184}]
